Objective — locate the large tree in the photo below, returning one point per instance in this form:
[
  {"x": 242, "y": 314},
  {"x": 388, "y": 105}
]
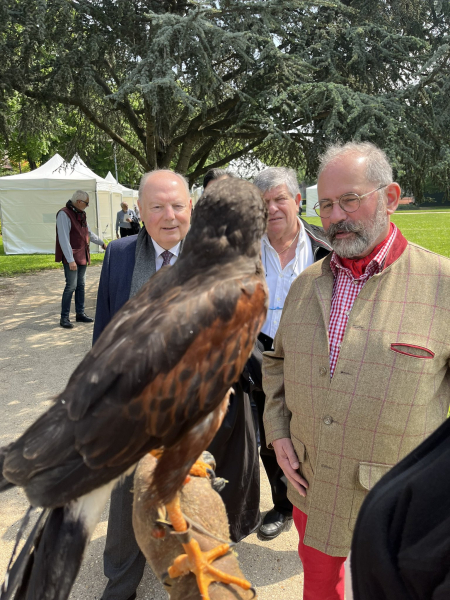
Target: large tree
[{"x": 192, "y": 85}]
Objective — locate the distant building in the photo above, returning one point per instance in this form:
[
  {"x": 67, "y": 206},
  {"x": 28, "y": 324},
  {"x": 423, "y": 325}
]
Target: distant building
[{"x": 406, "y": 200}]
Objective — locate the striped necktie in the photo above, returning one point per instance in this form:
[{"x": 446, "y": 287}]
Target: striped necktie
[{"x": 166, "y": 256}]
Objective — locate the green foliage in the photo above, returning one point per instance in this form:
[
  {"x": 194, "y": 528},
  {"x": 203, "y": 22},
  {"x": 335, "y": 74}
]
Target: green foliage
[
  {"x": 195, "y": 84},
  {"x": 428, "y": 228}
]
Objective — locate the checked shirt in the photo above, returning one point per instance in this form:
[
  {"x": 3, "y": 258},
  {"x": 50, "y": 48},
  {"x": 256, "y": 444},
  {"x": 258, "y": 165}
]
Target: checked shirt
[{"x": 345, "y": 291}]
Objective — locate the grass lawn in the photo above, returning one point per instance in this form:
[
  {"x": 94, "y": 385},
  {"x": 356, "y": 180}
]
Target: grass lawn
[
  {"x": 15, "y": 264},
  {"x": 430, "y": 230}
]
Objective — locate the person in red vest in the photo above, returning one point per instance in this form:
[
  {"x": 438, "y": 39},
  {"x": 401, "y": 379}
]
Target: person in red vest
[{"x": 73, "y": 235}]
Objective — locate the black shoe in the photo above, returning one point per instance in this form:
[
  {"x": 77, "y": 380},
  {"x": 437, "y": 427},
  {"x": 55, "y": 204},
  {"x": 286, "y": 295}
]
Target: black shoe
[
  {"x": 66, "y": 323},
  {"x": 83, "y": 318},
  {"x": 273, "y": 524}
]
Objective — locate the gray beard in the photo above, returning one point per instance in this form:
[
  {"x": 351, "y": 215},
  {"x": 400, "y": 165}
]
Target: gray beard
[{"x": 366, "y": 234}]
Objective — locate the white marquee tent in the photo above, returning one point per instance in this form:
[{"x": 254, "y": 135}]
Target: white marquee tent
[
  {"x": 127, "y": 193},
  {"x": 311, "y": 199},
  {"x": 30, "y": 201}
]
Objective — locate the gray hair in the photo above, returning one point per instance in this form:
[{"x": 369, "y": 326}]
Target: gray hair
[
  {"x": 378, "y": 169},
  {"x": 146, "y": 176},
  {"x": 275, "y": 176},
  {"x": 79, "y": 195}
]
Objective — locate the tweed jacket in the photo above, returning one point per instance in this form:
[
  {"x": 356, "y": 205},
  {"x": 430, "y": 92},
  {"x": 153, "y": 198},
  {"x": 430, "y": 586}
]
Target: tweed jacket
[{"x": 389, "y": 391}]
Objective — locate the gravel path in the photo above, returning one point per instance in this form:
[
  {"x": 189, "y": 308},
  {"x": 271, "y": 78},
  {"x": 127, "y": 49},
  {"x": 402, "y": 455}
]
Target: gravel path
[{"x": 36, "y": 359}]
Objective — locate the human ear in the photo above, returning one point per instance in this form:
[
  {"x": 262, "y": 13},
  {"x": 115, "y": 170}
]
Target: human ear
[{"x": 393, "y": 193}]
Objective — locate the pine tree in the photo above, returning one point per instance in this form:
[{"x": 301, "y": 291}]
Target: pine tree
[{"x": 194, "y": 84}]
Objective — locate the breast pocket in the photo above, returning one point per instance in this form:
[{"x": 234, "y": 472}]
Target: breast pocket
[{"x": 412, "y": 350}]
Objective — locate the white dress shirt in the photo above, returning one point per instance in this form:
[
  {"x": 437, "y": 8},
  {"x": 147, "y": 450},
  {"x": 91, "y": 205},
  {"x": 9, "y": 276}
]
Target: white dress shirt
[
  {"x": 280, "y": 280},
  {"x": 158, "y": 251}
]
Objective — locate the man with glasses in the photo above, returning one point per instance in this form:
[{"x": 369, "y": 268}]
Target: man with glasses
[
  {"x": 288, "y": 247},
  {"x": 73, "y": 235},
  {"x": 359, "y": 372}
]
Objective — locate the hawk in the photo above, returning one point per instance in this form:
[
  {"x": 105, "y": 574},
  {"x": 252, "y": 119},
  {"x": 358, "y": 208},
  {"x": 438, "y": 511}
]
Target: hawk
[{"x": 156, "y": 379}]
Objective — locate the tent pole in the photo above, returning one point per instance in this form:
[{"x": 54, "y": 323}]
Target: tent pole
[{"x": 98, "y": 218}]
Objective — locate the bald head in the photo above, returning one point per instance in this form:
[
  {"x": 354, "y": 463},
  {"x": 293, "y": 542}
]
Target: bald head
[{"x": 165, "y": 207}]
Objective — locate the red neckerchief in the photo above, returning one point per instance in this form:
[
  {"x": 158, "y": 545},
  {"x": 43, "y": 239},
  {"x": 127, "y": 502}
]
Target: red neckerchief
[{"x": 358, "y": 265}]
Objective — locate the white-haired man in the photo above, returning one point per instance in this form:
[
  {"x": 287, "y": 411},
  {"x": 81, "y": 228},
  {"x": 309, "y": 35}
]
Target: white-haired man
[
  {"x": 288, "y": 247},
  {"x": 359, "y": 372},
  {"x": 73, "y": 235}
]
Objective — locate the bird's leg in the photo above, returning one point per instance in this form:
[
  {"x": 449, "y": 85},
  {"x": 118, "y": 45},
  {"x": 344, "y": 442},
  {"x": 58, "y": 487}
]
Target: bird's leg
[{"x": 195, "y": 560}]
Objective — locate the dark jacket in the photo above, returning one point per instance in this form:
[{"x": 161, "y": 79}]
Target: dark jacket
[
  {"x": 401, "y": 542},
  {"x": 115, "y": 281}
]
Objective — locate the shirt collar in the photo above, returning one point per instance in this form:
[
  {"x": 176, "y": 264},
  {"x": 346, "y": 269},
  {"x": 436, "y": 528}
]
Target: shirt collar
[
  {"x": 265, "y": 239},
  {"x": 159, "y": 250},
  {"x": 376, "y": 265}
]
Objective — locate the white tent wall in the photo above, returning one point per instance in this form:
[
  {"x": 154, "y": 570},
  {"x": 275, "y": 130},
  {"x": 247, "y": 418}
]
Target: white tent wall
[
  {"x": 311, "y": 200},
  {"x": 105, "y": 213}
]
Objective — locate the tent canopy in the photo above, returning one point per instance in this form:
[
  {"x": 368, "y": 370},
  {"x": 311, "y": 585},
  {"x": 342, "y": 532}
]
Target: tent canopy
[
  {"x": 126, "y": 192},
  {"x": 30, "y": 201}
]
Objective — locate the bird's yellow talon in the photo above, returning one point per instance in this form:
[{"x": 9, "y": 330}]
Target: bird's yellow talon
[
  {"x": 198, "y": 562},
  {"x": 200, "y": 469}
]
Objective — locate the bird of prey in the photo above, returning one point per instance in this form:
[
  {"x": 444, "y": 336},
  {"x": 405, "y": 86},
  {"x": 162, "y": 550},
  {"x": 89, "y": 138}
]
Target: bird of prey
[{"x": 156, "y": 379}]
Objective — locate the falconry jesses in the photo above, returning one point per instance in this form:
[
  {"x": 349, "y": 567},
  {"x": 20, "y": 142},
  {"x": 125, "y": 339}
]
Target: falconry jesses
[{"x": 156, "y": 379}]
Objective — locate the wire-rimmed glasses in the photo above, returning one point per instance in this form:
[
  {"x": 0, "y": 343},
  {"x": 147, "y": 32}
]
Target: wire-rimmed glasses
[{"x": 349, "y": 203}]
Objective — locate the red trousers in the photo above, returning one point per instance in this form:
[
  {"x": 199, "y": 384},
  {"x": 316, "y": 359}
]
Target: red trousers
[{"x": 323, "y": 574}]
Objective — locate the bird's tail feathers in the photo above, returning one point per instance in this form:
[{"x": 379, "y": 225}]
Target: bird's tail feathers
[
  {"x": 18, "y": 566},
  {"x": 49, "y": 562}
]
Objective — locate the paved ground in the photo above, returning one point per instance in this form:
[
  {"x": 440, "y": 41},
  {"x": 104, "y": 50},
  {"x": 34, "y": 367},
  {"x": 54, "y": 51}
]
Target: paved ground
[{"x": 36, "y": 359}]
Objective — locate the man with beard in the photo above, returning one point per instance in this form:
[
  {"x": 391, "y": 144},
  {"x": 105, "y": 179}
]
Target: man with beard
[{"x": 359, "y": 372}]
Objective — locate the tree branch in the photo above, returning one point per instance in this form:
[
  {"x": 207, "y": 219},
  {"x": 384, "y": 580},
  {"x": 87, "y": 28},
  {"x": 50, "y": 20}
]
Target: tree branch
[
  {"x": 67, "y": 101},
  {"x": 124, "y": 106},
  {"x": 202, "y": 152},
  {"x": 220, "y": 163}
]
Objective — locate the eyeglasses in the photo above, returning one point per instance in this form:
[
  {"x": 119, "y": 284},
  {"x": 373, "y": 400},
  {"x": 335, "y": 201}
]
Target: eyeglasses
[
  {"x": 84, "y": 202},
  {"x": 348, "y": 202}
]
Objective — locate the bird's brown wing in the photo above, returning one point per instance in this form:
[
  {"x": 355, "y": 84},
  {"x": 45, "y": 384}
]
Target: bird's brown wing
[
  {"x": 154, "y": 374},
  {"x": 181, "y": 373}
]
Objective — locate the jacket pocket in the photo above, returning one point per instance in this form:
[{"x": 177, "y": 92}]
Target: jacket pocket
[
  {"x": 368, "y": 475},
  {"x": 305, "y": 469},
  {"x": 300, "y": 448},
  {"x": 412, "y": 350}
]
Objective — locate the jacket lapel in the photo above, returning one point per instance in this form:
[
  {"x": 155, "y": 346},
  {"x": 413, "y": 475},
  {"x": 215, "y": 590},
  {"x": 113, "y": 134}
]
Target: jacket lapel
[{"x": 323, "y": 287}]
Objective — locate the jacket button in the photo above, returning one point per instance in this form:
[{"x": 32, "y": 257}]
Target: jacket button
[
  {"x": 322, "y": 371},
  {"x": 328, "y": 420}
]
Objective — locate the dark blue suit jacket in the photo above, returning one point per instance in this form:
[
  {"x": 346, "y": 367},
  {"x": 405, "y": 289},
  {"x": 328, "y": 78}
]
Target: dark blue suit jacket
[{"x": 115, "y": 281}]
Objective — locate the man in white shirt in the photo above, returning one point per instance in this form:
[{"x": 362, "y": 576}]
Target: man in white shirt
[
  {"x": 123, "y": 221},
  {"x": 289, "y": 246}
]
